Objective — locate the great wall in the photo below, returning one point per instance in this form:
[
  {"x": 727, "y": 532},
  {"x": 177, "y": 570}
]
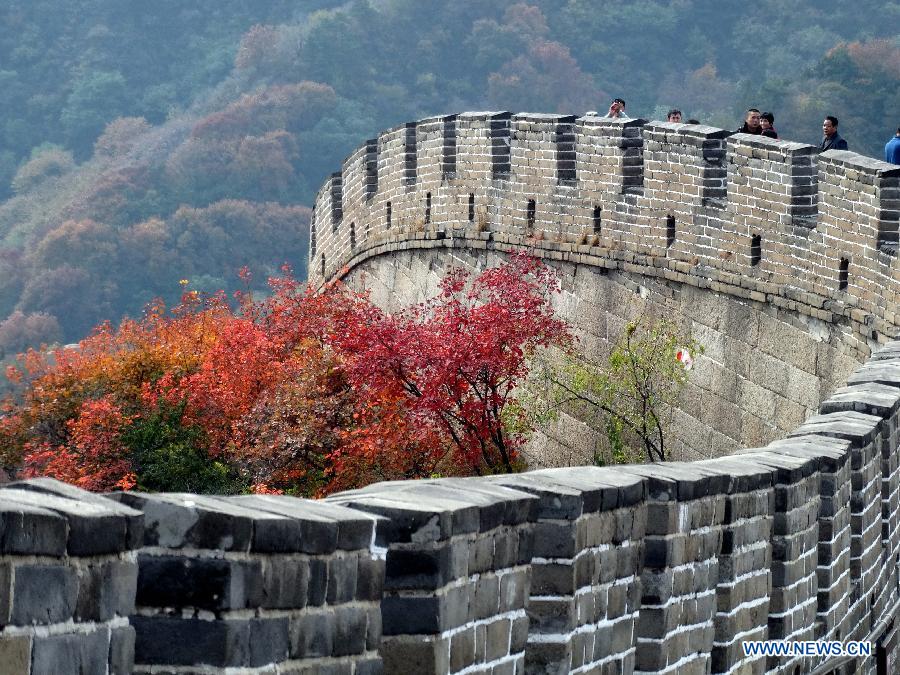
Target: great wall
[{"x": 781, "y": 260}]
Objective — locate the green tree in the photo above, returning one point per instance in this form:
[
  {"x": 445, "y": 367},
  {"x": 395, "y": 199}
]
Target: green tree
[
  {"x": 633, "y": 393},
  {"x": 96, "y": 99},
  {"x": 169, "y": 455}
]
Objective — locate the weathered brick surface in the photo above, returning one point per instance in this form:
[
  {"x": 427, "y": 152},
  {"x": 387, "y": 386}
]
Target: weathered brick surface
[
  {"x": 685, "y": 513},
  {"x": 457, "y": 573},
  {"x": 68, "y": 574},
  {"x": 585, "y": 585},
  {"x": 252, "y": 582}
]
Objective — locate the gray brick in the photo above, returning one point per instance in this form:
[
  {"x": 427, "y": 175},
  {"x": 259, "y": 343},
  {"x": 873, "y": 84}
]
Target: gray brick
[
  {"x": 134, "y": 521},
  {"x": 206, "y": 583},
  {"x": 162, "y": 640},
  {"x": 412, "y": 655},
  {"x": 96, "y": 526},
  {"x": 269, "y": 641},
  {"x": 341, "y": 579},
  {"x": 43, "y": 594},
  {"x": 349, "y": 630},
  {"x": 106, "y": 589},
  {"x": 285, "y": 582},
  {"x": 30, "y": 529},
  {"x": 312, "y": 634},
  {"x": 121, "y": 651},
  {"x": 73, "y": 654}
]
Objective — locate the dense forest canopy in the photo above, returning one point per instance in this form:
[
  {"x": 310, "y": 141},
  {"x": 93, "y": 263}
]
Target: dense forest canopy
[{"x": 146, "y": 143}]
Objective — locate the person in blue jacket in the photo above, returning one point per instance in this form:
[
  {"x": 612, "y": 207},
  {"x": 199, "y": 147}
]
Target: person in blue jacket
[{"x": 892, "y": 149}]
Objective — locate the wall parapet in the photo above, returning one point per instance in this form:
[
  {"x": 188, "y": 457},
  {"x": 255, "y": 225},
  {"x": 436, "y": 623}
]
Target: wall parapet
[{"x": 738, "y": 210}]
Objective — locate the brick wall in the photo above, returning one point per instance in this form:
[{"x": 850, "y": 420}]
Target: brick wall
[
  {"x": 68, "y": 574},
  {"x": 253, "y": 582},
  {"x": 762, "y": 219}
]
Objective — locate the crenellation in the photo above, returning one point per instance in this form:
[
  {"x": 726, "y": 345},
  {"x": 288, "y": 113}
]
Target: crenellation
[
  {"x": 448, "y": 163},
  {"x": 321, "y": 213},
  {"x": 683, "y": 186},
  {"x": 337, "y": 200},
  {"x": 397, "y": 176},
  {"x": 608, "y": 157},
  {"x": 853, "y": 193},
  {"x": 773, "y": 212},
  {"x": 774, "y": 187},
  {"x": 254, "y": 582},
  {"x": 867, "y": 575},
  {"x": 744, "y": 562},
  {"x": 586, "y": 568},
  {"x": 793, "y": 596},
  {"x": 457, "y": 572},
  {"x": 537, "y": 202},
  {"x": 371, "y": 167},
  {"x": 883, "y": 401},
  {"x": 68, "y": 574},
  {"x": 436, "y": 162},
  {"x": 685, "y": 511},
  {"x": 354, "y": 187}
]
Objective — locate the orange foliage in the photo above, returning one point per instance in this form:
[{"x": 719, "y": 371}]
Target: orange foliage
[
  {"x": 95, "y": 458},
  {"x": 874, "y": 56},
  {"x": 255, "y": 47},
  {"x": 303, "y": 392},
  {"x": 120, "y": 136},
  {"x": 290, "y": 106}
]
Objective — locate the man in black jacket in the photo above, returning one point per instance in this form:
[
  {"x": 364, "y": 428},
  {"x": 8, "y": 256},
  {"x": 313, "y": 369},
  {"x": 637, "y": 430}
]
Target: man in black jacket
[
  {"x": 831, "y": 139},
  {"x": 751, "y": 123}
]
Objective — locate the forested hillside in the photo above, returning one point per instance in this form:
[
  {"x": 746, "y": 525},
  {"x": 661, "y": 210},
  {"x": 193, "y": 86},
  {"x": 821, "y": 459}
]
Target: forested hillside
[{"x": 144, "y": 143}]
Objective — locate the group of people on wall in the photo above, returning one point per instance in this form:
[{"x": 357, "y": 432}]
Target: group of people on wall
[{"x": 763, "y": 124}]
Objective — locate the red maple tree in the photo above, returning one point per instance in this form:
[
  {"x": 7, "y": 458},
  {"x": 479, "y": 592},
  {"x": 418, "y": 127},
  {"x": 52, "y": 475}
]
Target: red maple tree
[{"x": 457, "y": 359}]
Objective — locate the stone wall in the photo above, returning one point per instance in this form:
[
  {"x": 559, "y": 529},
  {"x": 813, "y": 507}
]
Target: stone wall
[
  {"x": 780, "y": 260},
  {"x": 658, "y": 568},
  {"x": 456, "y": 576},
  {"x": 68, "y": 575},
  {"x": 763, "y": 372},
  {"x": 255, "y": 581}
]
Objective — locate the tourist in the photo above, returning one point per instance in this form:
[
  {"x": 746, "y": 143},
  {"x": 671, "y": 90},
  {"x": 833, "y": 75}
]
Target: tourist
[
  {"x": 767, "y": 122},
  {"x": 751, "y": 123},
  {"x": 692, "y": 121},
  {"x": 831, "y": 139},
  {"x": 892, "y": 149},
  {"x": 617, "y": 108},
  {"x": 674, "y": 115}
]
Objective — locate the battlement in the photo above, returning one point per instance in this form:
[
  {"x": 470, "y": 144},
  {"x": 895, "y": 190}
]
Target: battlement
[{"x": 744, "y": 212}]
